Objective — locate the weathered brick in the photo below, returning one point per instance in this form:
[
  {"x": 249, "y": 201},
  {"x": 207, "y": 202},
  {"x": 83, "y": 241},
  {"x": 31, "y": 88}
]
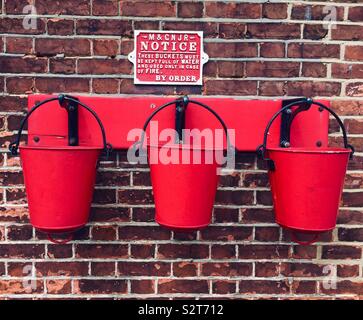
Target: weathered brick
[
  {"x": 189, "y": 9},
  {"x": 182, "y": 286},
  {"x": 68, "y": 47},
  {"x": 148, "y": 9},
  {"x": 60, "y": 27},
  {"x": 227, "y": 269},
  {"x": 104, "y": 27},
  {"x": 105, "y": 7},
  {"x": 233, "y": 10},
  {"x": 272, "y": 50},
  {"x": 273, "y": 31},
  {"x": 274, "y": 10}
]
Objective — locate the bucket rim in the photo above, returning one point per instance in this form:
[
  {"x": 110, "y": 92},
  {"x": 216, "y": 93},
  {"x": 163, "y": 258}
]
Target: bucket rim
[
  {"x": 325, "y": 150},
  {"x": 60, "y": 148},
  {"x": 185, "y": 147}
]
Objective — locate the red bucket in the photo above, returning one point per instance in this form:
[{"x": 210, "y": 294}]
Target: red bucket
[
  {"x": 307, "y": 183},
  {"x": 306, "y": 186},
  {"x": 59, "y": 185},
  {"x": 184, "y": 193},
  {"x": 59, "y": 180},
  {"x": 184, "y": 190}
]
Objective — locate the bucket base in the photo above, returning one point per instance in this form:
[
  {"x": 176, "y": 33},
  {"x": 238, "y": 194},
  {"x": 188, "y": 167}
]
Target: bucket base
[
  {"x": 59, "y": 230},
  {"x": 182, "y": 228},
  {"x": 304, "y": 230}
]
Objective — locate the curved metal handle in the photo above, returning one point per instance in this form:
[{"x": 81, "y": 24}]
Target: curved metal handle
[
  {"x": 185, "y": 101},
  {"x": 262, "y": 148},
  {"x": 14, "y": 146}
]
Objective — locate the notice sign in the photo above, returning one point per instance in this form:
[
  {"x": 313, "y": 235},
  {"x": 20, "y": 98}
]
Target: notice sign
[{"x": 168, "y": 57}]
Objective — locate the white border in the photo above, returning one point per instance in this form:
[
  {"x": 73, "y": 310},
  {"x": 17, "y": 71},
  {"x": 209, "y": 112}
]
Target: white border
[{"x": 204, "y": 58}]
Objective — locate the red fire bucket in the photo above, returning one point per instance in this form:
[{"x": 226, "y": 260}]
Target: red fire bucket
[
  {"x": 184, "y": 191},
  {"x": 307, "y": 183},
  {"x": 59, "y": 181}
]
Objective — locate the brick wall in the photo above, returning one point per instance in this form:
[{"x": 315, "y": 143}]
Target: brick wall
[{"x": 257, "y": 49}]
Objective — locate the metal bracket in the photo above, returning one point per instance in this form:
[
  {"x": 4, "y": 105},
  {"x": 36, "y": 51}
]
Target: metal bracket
[
  {"x": 72, "y": 109},
  {"x": 180, "y": 108},
  {"x": 287, "y": 117}
]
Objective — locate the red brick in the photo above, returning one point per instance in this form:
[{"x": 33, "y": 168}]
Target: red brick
[
  {"x": 263, "y": 287},
  {"x": 191, "y": 251},
  {"x": 109, "y": 251},
  {"x": 62, "y": 66},
  {"x": 223, "y": 251},
  {"x": 227, "y": 233},
  {"x": 9, "y": 287},
  {"x": 348, "y": 271},
  {"x": 182, "y": 286},
  {"x": 311, "y": 89},
  {"x": 101, "y": 286},
  {"x": 57, "y": 269},
  {"x": 231, "y": 50},
  {"x": 64, "y": 7},
  {"x": 348, "y": 32},
  {"x": 267, "y": 269},
  {"x": 272, "y": 69},
  {"x": 232, "y": 30},
  {"x": 104, "y": 27},
  {"x": 231, "y": 87},
  {"x": 351, "y": 234},
  {"x": 104, "y": 66},
  {"x": 20, "y": 232},
  {"x": 273, "y": 31},
  {"x": 189, "y": 9},
  {"x": 105, "y": 7},
  {"x": 354, "y": 89},
  {"x": 347, "y": 71},
  {"x": 233, "y": 10},
  {"x": 315, "y": 31},
  {"x": 19, "y": 45},
  {"x": 148, "y": 9},
  {"x": 127, "y": 87},
  {"x": 272, "y": 88},
  {"x": 23, "y": 65},
  {"x": 144, "y": 269},
  {"x": 314, "y": 69},
  {"x": 15, "y": 26},
  {"x": 209, "y": 28},
  {"x": 60, "y": 27},
  {"x": 226, "y": 215},
  {"x": 59, "y": 286},
  {"x": 25, "y": 251},
  {"x": 20, "y": 85},
  {"x": 272, "y": 50},
  {"x": 312, "y": 50},
  {"x": 143, "y": 233},
  {"x": 105, "y": 85},
  {"x": 224, "y": 287},
  {"x": 302, "y": 270},
  {"x": 355, "y": 14},
  {"x": 304, "y": 287},
  {"x": 104, "y": 233},
  {"x": 227, "y": 269},
  {"x": 354, "y": 53},
  {"x": 142, "y": 251},
  {"x": 143, "y": 286},
  {"x": 68, "y": 47},
  {"x": 103, "y": 269},
  {"x": 267, "y": 234},
  {"x": 263, "y": 252},
  {"x": 274, "y": 10},
  {"x": 107, "y": 47},
  {"x": 314, "y": 12},
  {"x": 185, "y": 269}
]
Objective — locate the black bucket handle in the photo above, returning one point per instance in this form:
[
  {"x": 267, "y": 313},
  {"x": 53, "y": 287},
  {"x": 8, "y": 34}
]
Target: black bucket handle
[
  {"x": 262, "y": 148},
  {"x": 185, "y": 100},
  {"x": 14, "y": 146}
]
